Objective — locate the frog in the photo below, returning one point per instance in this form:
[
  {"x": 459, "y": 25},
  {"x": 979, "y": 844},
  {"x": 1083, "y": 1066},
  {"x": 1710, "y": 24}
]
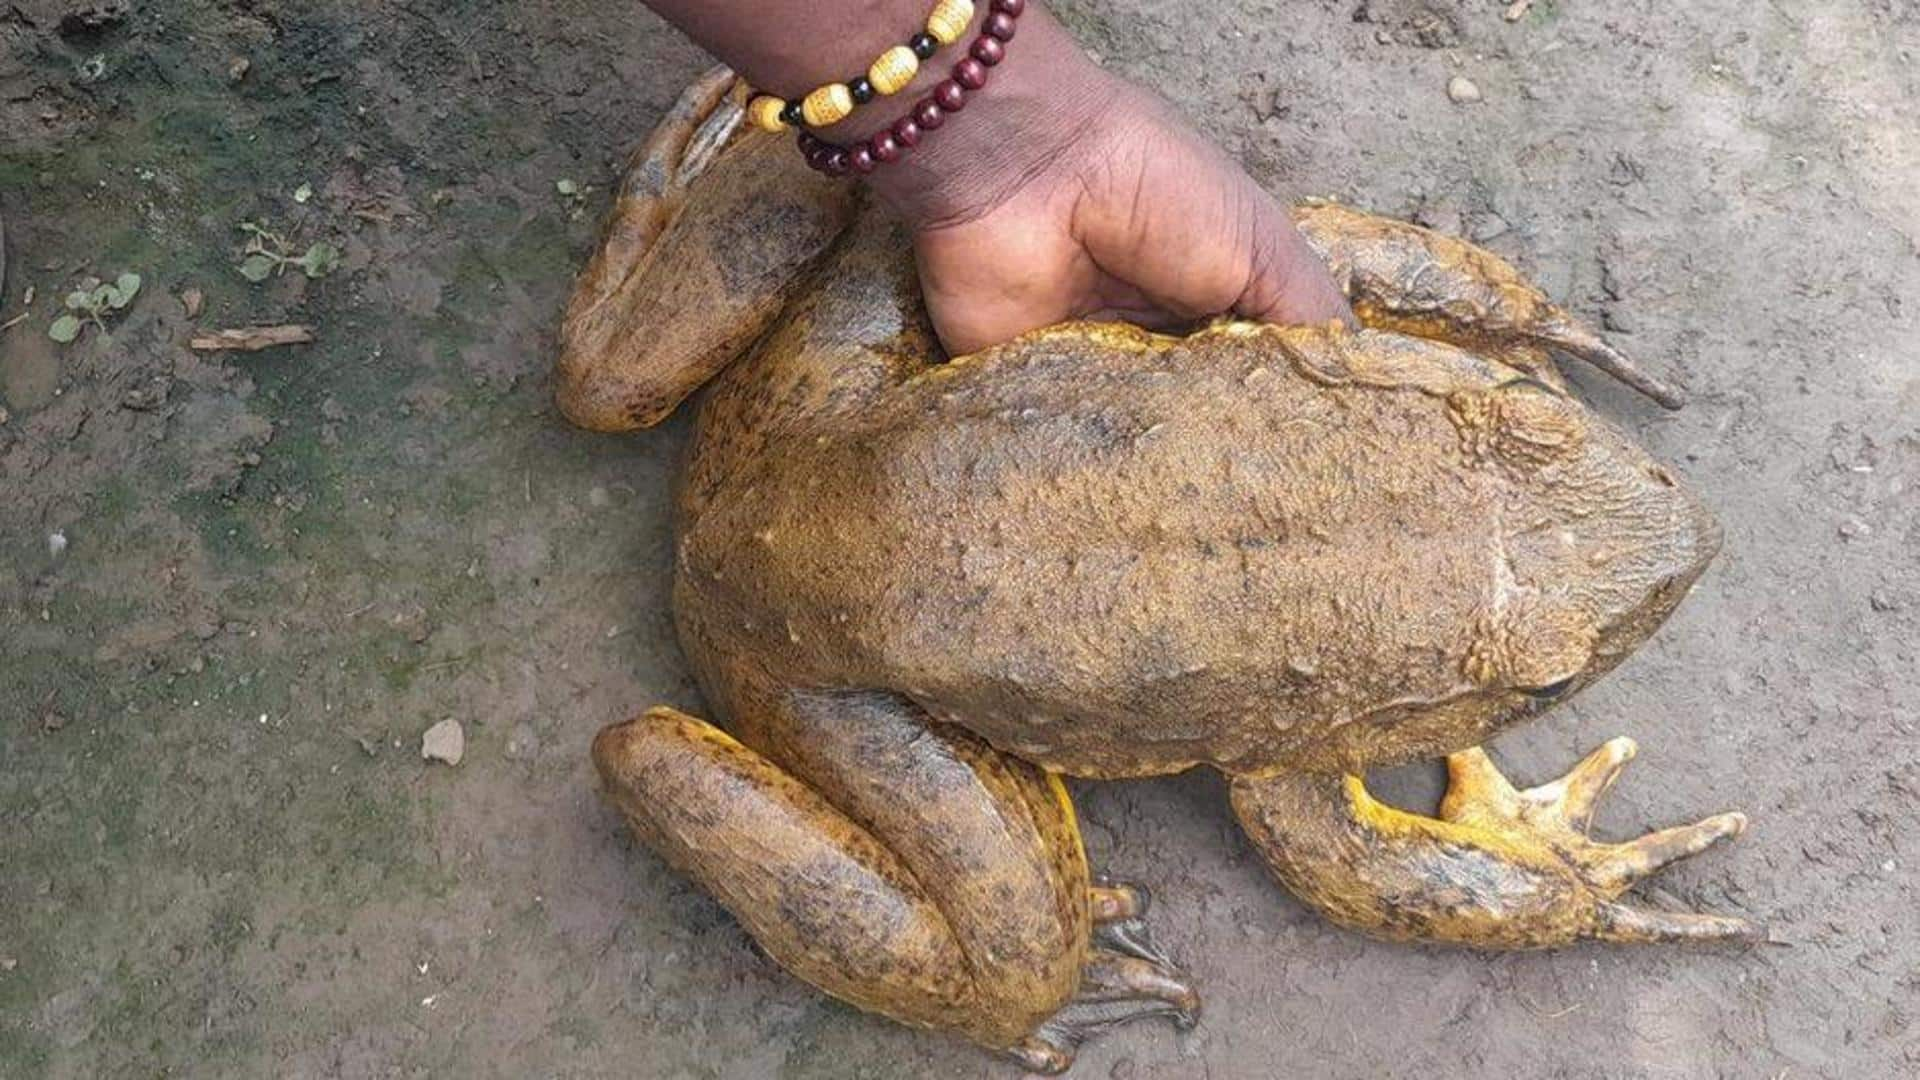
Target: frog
[{"x": 918, "y": 592}]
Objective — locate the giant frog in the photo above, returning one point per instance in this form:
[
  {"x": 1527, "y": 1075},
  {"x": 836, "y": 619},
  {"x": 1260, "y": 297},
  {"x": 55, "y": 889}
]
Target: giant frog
[{"x": 918, "y": 591}]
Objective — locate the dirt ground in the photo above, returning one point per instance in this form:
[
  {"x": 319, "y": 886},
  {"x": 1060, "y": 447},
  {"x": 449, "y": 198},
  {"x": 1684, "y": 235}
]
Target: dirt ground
[{"x": 221, "y": 852}]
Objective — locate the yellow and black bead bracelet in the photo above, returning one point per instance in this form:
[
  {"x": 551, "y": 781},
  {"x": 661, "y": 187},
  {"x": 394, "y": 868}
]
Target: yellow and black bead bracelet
[{"x": 889, "y": 75}]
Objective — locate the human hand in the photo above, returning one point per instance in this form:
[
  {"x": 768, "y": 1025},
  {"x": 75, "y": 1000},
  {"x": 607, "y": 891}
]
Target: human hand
[{"x": 1065, "y": 192}]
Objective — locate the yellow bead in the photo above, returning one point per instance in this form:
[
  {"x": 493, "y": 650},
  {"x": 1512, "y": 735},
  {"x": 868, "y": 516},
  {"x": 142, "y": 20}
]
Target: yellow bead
[
  {"x": 765, "y": 111},
  {"x": 828, "y": 105},
  {"x": 950, "y": 20},
  {"x": 894, "y": 70}
]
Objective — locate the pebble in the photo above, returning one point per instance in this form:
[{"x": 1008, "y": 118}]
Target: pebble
[
  {"x": 523, "y": 743},
  {"x": 1462, "y": 90},
  {"x": 445, "y": 741},
  {"x": 56, "y": 543}
]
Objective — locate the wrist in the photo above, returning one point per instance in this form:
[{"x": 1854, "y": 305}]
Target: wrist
[{"x": 1046, "y": 95}]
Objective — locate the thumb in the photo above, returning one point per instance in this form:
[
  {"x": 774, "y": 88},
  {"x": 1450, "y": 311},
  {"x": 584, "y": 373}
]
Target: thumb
[{"x": 1287, "y": 282}]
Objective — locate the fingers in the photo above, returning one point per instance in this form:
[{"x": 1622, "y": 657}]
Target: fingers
[
  {"x": 1623, "y": 864},
  {"x": 1166, "y": 212},
  {"x": 1287, "y": 282},
  {"x": 990, "y": 280}
]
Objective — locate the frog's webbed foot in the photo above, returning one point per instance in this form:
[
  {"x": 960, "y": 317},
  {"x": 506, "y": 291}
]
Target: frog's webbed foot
[
  {"x": 1117, "y": 990},
  {"x": 1499, "y": 868},
  {"x": 1126, "y": 978},
  {"x": 711, "y": 226},
  {"x": 1403, "y": 277}
]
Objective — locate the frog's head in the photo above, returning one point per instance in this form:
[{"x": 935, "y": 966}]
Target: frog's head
[{"x": 1601, "y": 542}]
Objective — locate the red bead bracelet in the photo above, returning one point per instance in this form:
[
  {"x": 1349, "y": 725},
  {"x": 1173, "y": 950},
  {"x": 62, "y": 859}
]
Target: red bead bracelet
[{"x": 950, "y": 96}]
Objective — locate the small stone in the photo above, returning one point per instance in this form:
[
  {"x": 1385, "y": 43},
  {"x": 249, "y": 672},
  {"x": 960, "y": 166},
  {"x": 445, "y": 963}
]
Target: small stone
[
  {"x": 598, "y": 497},
  {"x": 56, "y": 543},
  {"x": 192, "y": 300},
  {"x": 1463, "y": 90},
  {"x": 445, "y": 741},
  {"x": 238, "y": 69},
  {"x": 1883, "y": 600},
  {"x": 53, "y": 721},
  {"x": 522, "y": 743},
  {"x": 1855, "y": 529},
  {"x": 8, "y": 963}
]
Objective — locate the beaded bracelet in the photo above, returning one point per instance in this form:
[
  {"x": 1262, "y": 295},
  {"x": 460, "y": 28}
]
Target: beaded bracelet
[
  {"x": 889, "y": 75},
  {"x": 894, "y": 142}
]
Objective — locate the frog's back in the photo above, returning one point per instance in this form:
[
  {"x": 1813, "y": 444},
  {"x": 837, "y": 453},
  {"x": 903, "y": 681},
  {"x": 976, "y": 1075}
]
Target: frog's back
[{"x": 1118, "y": 554}]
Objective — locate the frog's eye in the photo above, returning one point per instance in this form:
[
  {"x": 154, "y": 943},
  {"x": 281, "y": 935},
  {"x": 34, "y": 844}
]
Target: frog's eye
[{"x": 1553, "y": 691}]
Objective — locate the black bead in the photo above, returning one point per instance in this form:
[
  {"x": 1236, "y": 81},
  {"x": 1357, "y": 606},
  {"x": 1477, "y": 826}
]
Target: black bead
[
  {"x": 792, "y": 116},
  {"x": 861, "y": 88},
  {"x": 924, "y": 45}
]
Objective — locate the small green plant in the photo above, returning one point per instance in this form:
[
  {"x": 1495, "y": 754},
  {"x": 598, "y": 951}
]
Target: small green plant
[
  {"x": 268, "y": 255},
  {"x": 90, "y": 304}
]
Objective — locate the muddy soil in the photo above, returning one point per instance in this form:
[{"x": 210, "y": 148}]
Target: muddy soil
[{"x": 220, "y": 850}]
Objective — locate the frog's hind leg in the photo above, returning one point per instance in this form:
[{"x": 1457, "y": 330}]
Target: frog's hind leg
[
  {"x": 901, "y": 866},
  {"x": 713, "y": 225},
  {"x": 1403, "y": 277},
  {"x": 1499, "y": 868}
]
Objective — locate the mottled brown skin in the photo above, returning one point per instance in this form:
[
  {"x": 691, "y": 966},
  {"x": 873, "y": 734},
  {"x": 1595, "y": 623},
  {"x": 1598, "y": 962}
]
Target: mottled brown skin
[{"x": 919, "y": 590}]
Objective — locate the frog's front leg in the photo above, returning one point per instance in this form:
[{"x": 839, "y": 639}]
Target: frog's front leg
[
  {"x": 713, "y": 226},
  {"x": 1499, "y": 868},
  {"x": 904, "y": 867},
  {"x": 1402, "y": 277}
]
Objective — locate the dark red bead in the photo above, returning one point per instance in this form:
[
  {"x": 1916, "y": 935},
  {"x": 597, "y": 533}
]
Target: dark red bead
[
  {"x": 999, "y": 26},
  {"x": 861, "y": 159},
  {"x": 970, "y": 73},
  {"x": 988, "y": 51},
  {"x": 884, "y": 147},
  {"x": 835, "y": 161},
  {"x": 929, "y": 115},
  {"x": 810, "y": 143},
  {"x": 950, "y": 96},
  {"x": 1010, "y": 7},
  {"x": 907, "y": 131}
]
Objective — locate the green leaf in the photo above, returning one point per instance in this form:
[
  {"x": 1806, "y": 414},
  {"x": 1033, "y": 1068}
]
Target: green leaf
[
  {"x": 65, "y": 329},
  {"x": 320, "y": 260},
  {"x": 258, "y": 268},
  {"x": 76, "y": 301},
  {"x": 129, "y": 286},
  {"x": 103, "y": 297}
]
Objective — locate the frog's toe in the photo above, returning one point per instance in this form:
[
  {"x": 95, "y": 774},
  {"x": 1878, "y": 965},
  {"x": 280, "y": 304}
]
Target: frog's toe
[
  {"x": 1559, "y": 815},
  {"x": 1499, "y": 867},
  {"x": 1115, "y": 988},
  {"x": 1119, "y": 922}
]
